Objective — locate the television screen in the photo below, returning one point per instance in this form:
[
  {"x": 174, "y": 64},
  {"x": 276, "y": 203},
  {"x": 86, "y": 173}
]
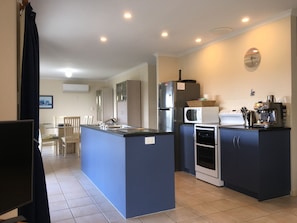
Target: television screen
[{"x": 16, "y": 164}]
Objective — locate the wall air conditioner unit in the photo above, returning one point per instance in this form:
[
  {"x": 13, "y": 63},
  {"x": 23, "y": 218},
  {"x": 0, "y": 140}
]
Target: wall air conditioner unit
[{"x": 75, "y": 88}]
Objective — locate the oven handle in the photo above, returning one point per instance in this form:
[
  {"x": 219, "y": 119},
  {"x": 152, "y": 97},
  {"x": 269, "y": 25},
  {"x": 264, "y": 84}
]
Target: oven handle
[
  {"x": 233, "y": 141},
  {"x": 206, "y": 128},
  {"x": 208, "y": 146}
]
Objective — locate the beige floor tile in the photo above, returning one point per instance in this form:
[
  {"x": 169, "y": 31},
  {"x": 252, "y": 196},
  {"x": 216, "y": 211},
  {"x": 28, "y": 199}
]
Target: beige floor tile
[
  {"x": 155, "y": 218},
  {"x": 56, "y": 197},
  {"x": 90, "y": 209},
  {"x": 276, "y": 217},
  {"x": 223, "y": 204},
  {"x": 79, "y": 202},
  {"x": 61, "y": 215},
  {"x": 203, "y": 209},
  {"x": 246, "y": 213},
  {"x": 181, "y": 214},
  {"x": 220, "y": 217},
  {"x": 65, "y": 221},
  {"x": 58, "y": 205},
  {"x": 74, "y": 198},
  {"x": 94, "y": 218},
  {"x": 74, "y": 195}
]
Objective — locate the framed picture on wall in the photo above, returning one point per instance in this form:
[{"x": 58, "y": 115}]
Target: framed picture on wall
[{"x": 46, "y": 101}]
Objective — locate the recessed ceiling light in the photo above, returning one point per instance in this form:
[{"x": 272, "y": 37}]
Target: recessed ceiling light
[
  {"x": 103, "y": 39},
  {"x": 245, "y": 19},
  {"x": 164, "y": 34},
  {"x": 198, "y": 40},
  {"x": 127, "y": 15},
  {"x": 68, "y": 73}
]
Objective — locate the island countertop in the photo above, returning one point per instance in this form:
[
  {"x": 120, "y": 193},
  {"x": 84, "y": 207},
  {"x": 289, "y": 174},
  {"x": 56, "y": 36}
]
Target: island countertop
[{"x": 127, "y": 131}]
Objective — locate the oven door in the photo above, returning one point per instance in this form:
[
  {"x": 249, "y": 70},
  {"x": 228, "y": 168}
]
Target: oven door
[
  {"x": 206, "y": 135},
  {"x": 206, "y": 156},
  {"x": 206, "y": 160}
]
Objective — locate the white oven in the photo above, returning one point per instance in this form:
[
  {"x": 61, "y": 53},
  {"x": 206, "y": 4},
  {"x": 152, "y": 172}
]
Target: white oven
[
  {"x": 208, "y": 149},
  {"x": 208, "y": 153}
]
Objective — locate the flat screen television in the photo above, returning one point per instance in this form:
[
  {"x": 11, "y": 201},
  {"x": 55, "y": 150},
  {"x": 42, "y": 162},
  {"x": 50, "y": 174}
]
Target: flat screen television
[{"x": 16, "y": 164}]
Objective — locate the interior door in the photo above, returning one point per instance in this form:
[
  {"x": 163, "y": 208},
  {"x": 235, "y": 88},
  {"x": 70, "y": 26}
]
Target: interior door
[{"x": 99, "y": 105}]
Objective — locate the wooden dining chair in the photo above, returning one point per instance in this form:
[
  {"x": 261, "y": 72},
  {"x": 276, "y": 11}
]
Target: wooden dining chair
[
  {"x": 46, "y": 138},
  {"x": 71, "y": 134}
]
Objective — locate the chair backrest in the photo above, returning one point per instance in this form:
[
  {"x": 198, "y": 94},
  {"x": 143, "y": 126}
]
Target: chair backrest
[
  {"x": 46, "y": 129},
  {"x": 72, "y": 126}
]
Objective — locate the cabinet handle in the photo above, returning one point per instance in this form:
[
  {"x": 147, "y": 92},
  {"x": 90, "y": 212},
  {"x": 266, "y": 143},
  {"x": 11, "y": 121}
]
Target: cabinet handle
[
  {"x": 238, "y": 142},
  {"x": 233, "y": 141}
]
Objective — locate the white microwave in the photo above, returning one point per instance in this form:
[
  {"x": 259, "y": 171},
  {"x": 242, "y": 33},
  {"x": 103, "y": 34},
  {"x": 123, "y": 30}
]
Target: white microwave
[{"x": 201, "y": 114}]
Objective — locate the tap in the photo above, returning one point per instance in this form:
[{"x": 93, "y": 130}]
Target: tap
[{"x": 111, "y": 121}]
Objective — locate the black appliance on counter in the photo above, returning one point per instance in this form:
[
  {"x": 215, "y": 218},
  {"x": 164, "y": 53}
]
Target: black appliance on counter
[{"x": 173, "y": 97}]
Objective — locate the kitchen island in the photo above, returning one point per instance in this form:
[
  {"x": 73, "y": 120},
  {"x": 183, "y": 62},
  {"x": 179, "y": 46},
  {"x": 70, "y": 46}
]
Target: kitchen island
[{"x": 132, "y": 167}]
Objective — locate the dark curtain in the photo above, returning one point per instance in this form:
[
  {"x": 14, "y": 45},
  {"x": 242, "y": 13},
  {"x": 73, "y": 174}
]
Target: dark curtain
[{"x": 38, "y": 210}]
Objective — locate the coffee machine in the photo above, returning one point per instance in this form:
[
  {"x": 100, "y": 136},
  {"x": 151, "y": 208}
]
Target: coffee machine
[{"x": 271, "y": 114}]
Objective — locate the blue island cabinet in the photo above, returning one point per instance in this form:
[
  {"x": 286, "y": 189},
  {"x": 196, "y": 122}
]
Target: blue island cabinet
[{"x": 135, "y": 174}]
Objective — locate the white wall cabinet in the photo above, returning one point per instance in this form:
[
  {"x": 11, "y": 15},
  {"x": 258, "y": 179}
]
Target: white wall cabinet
[{"x": 128, "y": 95}]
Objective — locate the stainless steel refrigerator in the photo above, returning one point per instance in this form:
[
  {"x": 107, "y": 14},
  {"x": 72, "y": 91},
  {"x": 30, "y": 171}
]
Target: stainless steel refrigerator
[{"x": 173, "y": 97}]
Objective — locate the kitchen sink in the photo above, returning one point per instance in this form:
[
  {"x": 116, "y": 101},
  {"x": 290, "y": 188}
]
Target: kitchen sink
[{"x": 110, "y": 127}]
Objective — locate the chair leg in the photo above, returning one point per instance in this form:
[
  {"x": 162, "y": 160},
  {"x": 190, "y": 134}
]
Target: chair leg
[
  {"x": 65, "y": 149},
  {"x": 56, "y": 147},
  {"x": 77, "y": 147}
]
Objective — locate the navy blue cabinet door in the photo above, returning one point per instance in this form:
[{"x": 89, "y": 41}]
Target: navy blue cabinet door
[
  {"x": 240, "y": 160},
  {"x": 187, "y": 148},
  {"x": 256, "y": 162}
]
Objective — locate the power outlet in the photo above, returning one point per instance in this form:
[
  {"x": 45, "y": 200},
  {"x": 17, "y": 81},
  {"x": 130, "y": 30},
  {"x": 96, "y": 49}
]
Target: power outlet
[{"x": 149, "y": 140}]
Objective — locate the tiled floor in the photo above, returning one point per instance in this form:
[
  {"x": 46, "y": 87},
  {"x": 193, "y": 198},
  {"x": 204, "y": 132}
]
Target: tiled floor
[{"x": 73, "y": 198}]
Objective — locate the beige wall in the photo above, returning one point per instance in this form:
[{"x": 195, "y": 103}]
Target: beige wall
[
  {"x": 69, "y": 103},
  {"x": 294, "y": 107},
  {"x": 220, "y": 70},
  {"x": 8, "y": 60},
  {"x": 222, "y": 75},
  {"x": 8, "y": 67},
  {"x": 84, "y": 103},
  {"x": 167, "y": 68}
]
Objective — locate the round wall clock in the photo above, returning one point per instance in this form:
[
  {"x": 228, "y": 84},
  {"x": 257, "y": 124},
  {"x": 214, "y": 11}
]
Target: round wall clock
[{"x": 252, "y": 58}]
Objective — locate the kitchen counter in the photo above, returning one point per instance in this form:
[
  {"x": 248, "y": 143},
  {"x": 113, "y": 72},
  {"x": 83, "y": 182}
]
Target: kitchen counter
[
  {"x": 127, "y": 131},
  {"x": 132, "y": 167},
  {"x": 254, "y": 128}
]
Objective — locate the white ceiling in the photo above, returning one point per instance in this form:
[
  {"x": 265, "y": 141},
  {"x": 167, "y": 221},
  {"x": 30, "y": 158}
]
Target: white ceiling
[{"x": 69, "y": 30}]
